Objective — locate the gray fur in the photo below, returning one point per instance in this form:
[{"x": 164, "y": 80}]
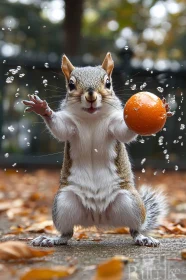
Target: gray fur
[
  {"x": 156, "y": 207},
  {"x": 89, "y": 76}
]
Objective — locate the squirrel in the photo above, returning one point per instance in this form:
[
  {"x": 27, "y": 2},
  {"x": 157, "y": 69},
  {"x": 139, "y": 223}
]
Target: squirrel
[{"x": 97, "y": 183}]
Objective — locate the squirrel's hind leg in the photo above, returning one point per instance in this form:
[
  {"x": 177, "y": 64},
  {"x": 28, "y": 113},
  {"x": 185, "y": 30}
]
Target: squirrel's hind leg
[
  {"x": 128, "y": 210},
  {"x": 66, "y": 213}
]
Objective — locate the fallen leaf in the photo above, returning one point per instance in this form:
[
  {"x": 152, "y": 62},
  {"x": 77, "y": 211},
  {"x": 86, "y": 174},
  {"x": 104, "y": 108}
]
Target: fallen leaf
[
  {"x": 12, "y": 250},
  {"x": 112, "y": 269},
  {"x": 176, "y": 229},
  {"x": 45, "y": 226},
  {"x": 11, "y": 204},
  {"x": 183, "y": 254},
  {"x": 46, "y": 273},
  {"x": 121, "y": 230},
  {"x": 80, "y": 236}
]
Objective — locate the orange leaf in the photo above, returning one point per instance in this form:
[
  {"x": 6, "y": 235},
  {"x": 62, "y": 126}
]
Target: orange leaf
[
  {"x": 12, "y": 250},
  {"x": 121, "y": 230},
  {"x": 183, "y": 254},
  {"x": 46, "y": 273},
  {"x": 112, "y": 269}
]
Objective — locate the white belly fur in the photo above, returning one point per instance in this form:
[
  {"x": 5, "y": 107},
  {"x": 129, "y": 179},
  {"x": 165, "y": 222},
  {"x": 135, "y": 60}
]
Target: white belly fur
[{"x": 93, "y": 175}]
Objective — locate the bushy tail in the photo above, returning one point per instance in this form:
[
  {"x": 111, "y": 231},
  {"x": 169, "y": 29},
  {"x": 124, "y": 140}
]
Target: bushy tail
[{"x": 156, "y": 207}]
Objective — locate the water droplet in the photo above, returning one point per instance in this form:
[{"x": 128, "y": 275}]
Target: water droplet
[
  {"x": 35, "y": 137},
  {"x": 143, "y": 161},
  {"x": 28, "y": 27},
  {"x": 4, "y": 61},
  {"x": 126, "y": 47},
  {"x": 33, "y": 67},
  {"x": 17, "y": 171},
  {"x": 142, "y": 141},
  {"x": 182, "y": 126},
  {"x": 13, "y": 71},
  {"x": 11, "y": 128},
  {"x": 28, "y": 144},
  {"x": 46, "y": 65},
  {"x": 167, "y": 85},
  {"x": 45, "y": 81},
  {"x": 133, "y": 87},
  {"x": 21, "y": 75},
  {"x": 167, "y": 156},
  {"x": 3, "y": 137},
  {"x": 176, "y": 167},
  {"x": 36, "y": 92},
  {"x": 127, "y": 82},
  {"x": 163, "y": 171},
  {"x": 179, "y": 119},
  {"x": 160, "y": 140},
  {"x": 6, "y": 155},
  {"x": 14, "y": 164},
  {"x": 165, "y": 151},
  {"x": 160, "y": 89},
  {"x": 18, "y": 67},
  {"x": 17, "y": 94},
  {"x": 9, "y": 80},
  {"x": 143, "y": 170},
  {"x": 96, "y": 150}
]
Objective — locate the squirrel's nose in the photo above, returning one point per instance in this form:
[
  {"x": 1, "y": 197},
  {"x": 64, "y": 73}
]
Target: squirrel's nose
[{"x": 90, "y": 92}]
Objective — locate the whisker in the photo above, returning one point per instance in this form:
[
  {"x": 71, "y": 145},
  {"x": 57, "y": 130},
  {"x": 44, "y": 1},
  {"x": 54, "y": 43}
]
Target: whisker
[
  {"x": 110, "y": 104},
  {"x": 49, "y": 154}
]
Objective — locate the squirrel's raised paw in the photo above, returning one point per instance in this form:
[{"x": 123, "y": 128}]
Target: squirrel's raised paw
[
  {"x": 45, "y": 241},
  {"x": 38, "y": 106},
  {"x": 146, "y": 241}
]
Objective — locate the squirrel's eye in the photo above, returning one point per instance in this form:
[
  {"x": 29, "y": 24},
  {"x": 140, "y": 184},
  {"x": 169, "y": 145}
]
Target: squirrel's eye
[
  {"x": 108, "y": 84},
  {"x": 71, "y": 85}
]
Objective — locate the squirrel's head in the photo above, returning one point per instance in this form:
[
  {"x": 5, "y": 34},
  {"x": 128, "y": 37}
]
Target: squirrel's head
[{"x": 90, "y": 87}]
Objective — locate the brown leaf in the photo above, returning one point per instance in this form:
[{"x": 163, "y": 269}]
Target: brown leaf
[
  {"x": 45, "y": 226},
  {"x": 12, "y": 250},
  {"x": 121, "y": 230},
  {"x": 46, "y": 273},
  {"x": 80, "y": 236},
  {"x": 10, "y": 204},
  {"x": 112, "y": 269},
  {"x": 183, "y": 254}
]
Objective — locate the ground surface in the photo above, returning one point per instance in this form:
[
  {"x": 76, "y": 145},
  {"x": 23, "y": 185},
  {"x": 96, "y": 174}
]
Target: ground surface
[{"x": 25, "y": 204}]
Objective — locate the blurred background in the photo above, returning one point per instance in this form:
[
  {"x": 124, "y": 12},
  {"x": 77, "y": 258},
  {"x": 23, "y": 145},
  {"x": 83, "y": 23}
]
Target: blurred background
[{"x": 147, "y": 39}]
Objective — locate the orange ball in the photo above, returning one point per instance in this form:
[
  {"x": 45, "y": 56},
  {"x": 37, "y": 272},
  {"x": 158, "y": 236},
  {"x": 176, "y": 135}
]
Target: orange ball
[{"x": 145, "y": 113}]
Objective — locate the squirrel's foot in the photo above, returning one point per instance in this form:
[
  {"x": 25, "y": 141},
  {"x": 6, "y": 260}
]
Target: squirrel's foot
[
  {"x": 45, "y": 241},
  {"x": 146, "y": 241},
  {"x": 38, "y": 106},
  {"x": 142, "y": 240}
]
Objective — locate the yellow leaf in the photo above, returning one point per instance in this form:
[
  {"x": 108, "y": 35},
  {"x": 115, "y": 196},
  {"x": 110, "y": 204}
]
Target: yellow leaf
[
  {"x": 46, "y": 273},
  {"x": 183, "y": 254},
  {"x": 112, "y": 269},
  {"x": 12, "y": 250}
]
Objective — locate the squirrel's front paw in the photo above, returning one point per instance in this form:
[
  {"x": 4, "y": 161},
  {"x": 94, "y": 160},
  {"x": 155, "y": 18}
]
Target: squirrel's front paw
[{"x": 38, "y": 106}]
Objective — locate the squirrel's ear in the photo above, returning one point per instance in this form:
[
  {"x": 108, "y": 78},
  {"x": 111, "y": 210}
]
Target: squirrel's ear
[
  {"x": 108, "y": 64},
  {"x": 66, "y": 67}
]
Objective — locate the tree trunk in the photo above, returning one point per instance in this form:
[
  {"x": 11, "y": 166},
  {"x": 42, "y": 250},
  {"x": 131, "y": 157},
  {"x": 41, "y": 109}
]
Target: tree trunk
[{"x": 72, "y": 26}]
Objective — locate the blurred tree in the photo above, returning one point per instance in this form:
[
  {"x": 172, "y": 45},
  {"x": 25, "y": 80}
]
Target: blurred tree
[{"x": 72, "y": 26}]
